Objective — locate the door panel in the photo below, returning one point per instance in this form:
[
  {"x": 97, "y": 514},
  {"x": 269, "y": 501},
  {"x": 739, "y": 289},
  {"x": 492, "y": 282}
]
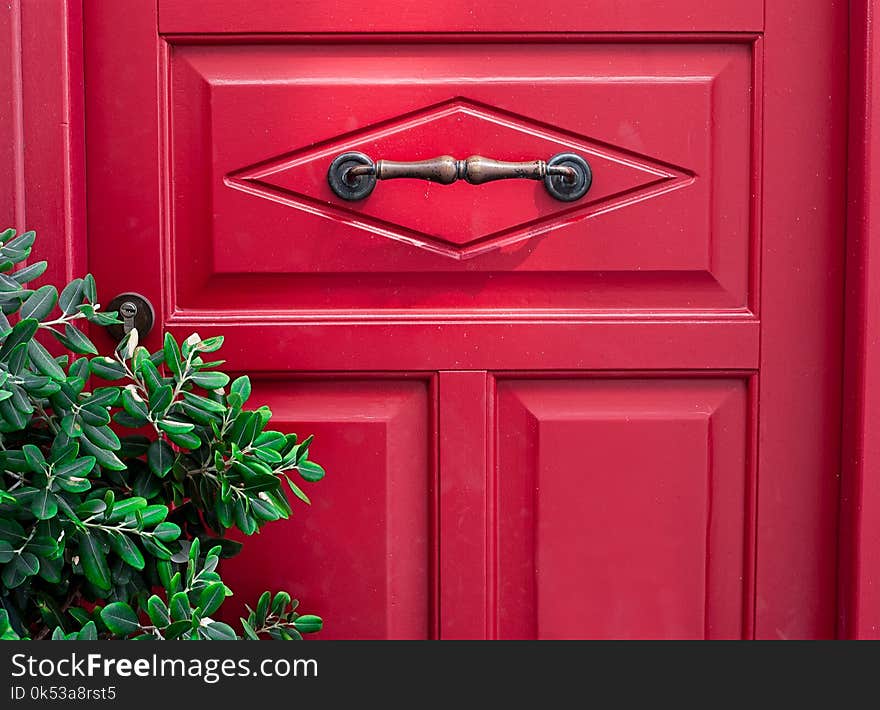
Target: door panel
[
  {"x": 665, "y": 224},
  {"x": 360, "y": 554},
  {"x": 621, "y": 508}
]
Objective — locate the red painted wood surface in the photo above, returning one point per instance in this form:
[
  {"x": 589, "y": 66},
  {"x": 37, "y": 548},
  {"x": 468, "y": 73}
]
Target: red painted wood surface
[
  {"x": 860, "y": 529},
  {"x": 620, "y": 508},
  {"x": 41, "y": 114},
  {"x": 270, "y": 16},
  {"x": 610, "y": 419},
  {"x": 368, "y": 531},
  {"x": 801, "y": 315}
]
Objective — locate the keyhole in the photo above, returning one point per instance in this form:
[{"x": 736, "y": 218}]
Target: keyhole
[{"x": 128, "y": 311}]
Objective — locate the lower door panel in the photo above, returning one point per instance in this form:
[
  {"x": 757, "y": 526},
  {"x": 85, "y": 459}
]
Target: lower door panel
[
  {"x": 622, "y": 508},
  {"x": 360, "y": 554}
]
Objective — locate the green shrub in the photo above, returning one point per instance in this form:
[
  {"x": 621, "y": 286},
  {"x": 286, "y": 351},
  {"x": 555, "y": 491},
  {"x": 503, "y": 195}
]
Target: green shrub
[{"x": 117, "y": 531}]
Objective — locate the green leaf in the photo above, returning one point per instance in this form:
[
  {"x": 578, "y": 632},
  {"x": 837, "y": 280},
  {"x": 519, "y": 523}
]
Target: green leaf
[
  {"x": 126, "y": 347},
  {"x": 160, "y": 458},
  {"x": 218, "y": 631},
  {"x": 34, "y": 458},
  {"x": 94, "y": 562},
  {"x": 44, "y": 505},
  {"x": 6, "y": 551},
  {"x": 44, "y": 362},
  {"x": 167, "y": 532},
  {"x": 133, "y": 403},
  {"x": 90, "y": 290},
  {"x": 243, "y": 520},
  {"x": 17, "y": 358},
  {"x": 12, "y": 416},
  {"x": 177, "y": 628},
  {"x": 78, "y": 341},
  {"x": 187, "y": 440},
  {"x": 74, "y": 484},
  {"x": 172, "y": 426},
  {"x": 180, "y": 608},
  {"x": 150, "y": 375},
  {"x": 71, "y": 296},
  {"x": 106, "y": 459},
  {"x": 80, "y": 467},
  {"x": 262, "y": 608},
  {"x": 310, "y": 471},
  {"x": 89, "y": 632},
  {"x": 51, "y": 569},
  {"x": 161, "y": 398},
  {"x": 95, "y": 415},
  {"x": 127, "y": 506},
  {"x": 242, "y": 387},
  {"x": 120, "y": 618},
  {"x": 297, "y": 491},
  {"x": 71, "y": 426},
  {"x": 44, "y": 545},
  {"x": 194, "y": 550},
  {"x": 31, "y": 272},
  {"x": 109, "y": 501},
  {"x": 154, "y": 514},
  {"x": 104, "y": 397},
  {"x": 90, "y": 507},
  {"x": 25, "y": 240},
  {"x": 210, "y": 380},
  {"x": 223, "y": 509},
  {"x": 172, "y": 354},
  {"x": 203, "y": 403},
  {"x": 212, "y": 597},
  {"x": 308, "y": 624},
  {"x": 102, "y": 436},
  {"x": 267, "y": 455},
  {"x": 106, "y": 368},
  {"x": 22, "y": 332},
  {"x": 248, "y": 630},
  {"x": 127, "y": 550},
  {"x": 19, "y": 568},
  {"x": 158, "y": 612},
  {"x": 210, "y": 345},
  {"x": 40, "y": 303},
  {"x": 280, "y": 602},
  {"x": 8, "y": 284}
]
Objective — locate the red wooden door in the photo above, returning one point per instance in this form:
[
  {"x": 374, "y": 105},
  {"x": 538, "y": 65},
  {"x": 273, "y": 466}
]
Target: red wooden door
[{"x": 606, "y": 418}]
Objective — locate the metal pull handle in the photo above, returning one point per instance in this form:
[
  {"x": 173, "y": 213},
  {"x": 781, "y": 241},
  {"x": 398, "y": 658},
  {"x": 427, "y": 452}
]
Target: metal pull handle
[{"x": 567, "y": 176}]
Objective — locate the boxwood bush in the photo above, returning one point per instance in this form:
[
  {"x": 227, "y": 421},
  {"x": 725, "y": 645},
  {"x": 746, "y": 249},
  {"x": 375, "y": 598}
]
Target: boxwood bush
[{"x": 120, "y": 475}]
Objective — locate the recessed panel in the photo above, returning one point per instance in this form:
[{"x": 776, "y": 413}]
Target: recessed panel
[
  {"x": 666, "y": 130},
  {"x": 621, "y": 508},
  {"x": 359, "y": 555}
]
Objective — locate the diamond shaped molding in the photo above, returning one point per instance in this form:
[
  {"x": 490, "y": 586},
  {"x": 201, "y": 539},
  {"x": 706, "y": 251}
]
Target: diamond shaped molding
[{"x": 459, "y": 221}]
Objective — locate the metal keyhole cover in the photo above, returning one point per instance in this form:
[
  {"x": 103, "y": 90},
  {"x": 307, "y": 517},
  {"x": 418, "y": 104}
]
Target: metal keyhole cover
[{"x": 135, "y": 311}]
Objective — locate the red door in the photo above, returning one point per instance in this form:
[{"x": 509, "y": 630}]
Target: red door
[{"x": 609, "y": 417}]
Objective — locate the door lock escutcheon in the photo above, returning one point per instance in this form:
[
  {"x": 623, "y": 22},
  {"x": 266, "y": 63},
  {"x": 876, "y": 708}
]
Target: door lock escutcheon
[{"x": 135, "y": 311}]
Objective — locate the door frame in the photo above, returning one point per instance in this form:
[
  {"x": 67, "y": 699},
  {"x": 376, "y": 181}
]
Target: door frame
[
  {"x": 859, "y": 578},
  {"x": 42, "y": 100}
]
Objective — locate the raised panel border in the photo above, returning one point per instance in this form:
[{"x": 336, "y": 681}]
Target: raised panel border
[
  {"x": 750, "y": 310},
  {"x": 472, "y": 500}
]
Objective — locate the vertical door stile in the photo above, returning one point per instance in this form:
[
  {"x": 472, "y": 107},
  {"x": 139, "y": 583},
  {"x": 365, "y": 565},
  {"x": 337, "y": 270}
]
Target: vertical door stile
[{"x": 466, "y": 505}]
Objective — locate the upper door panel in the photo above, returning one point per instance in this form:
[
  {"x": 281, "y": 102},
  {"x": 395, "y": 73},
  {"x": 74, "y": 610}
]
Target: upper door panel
[
  {"x": 667, "y": 129},
  {"x": 197, "y": 16}
]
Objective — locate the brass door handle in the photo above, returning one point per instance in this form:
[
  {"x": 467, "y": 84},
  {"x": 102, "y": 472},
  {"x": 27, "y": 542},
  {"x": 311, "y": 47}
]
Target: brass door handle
[{"x": 567, "y": 176}]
